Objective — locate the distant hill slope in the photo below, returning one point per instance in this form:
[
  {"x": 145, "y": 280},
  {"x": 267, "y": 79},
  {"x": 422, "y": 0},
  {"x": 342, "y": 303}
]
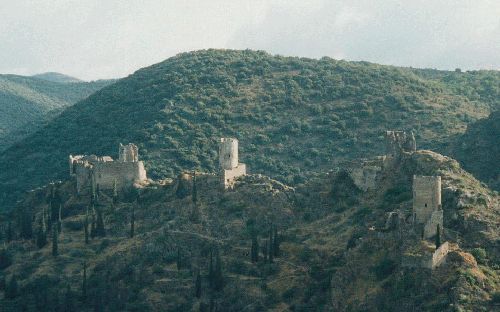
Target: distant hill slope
[
  {"x": 56, "y": 77},
  {"x": 478, "y": 149},
  {"x": 26, "y": 103},
  {"x": 293, "y": 116}
]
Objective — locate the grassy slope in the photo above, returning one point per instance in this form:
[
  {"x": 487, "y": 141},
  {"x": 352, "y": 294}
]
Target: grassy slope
[
  {"x": 293, "y": 116},
  {"x": 26, "y": 103},
  {"x": 315, "y": 270}
]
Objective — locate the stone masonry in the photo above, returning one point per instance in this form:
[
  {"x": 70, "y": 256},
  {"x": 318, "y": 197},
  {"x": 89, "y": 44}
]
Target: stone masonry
[
  {"x": 397, "y": 142},
  {"x": 427, "y": 210},
  {"x": 228, "y": 161},
  {"x": 105, "y": 172}
]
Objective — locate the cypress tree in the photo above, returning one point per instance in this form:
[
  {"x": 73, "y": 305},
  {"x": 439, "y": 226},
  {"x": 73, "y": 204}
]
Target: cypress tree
[
  {"x": 12, "y": 289},
  {"x": 211, "y": 271},
  {"x": 195, "y": 213},
  {"x": 69, "y": 300},
  {"x": 41, "y": 236},
  {"x": 100, "y": 231},
  {"x": 93, "y": 225},
  {"x": 179, "y": 260},
  {"x": 264, "y": 251},
  {"x": 10, "y": 233},
  {"x": 195, "y": 189},
  {"x": 438, "y": 236},
  {"x": 198, "y": 284},
  {"x": 218, "y": 276},
  {"x": 26, "y": 225},
  {"x": 276, "y": 242},
  {"x": 254, "y": 253},
  {"x": 132, "y": 222},
  {"x": 115, "y": 192},
  {"x": 84, "y": 282},
  {"x": 59, "y": 219},
  {"x": 271, "y": 251},
  {"x": 55, "y": 249},
  {"x": 86, "y": 225}
]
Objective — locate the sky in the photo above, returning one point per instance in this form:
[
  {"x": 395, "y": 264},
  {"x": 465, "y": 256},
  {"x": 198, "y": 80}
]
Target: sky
[{"x": 98, "y": 39}]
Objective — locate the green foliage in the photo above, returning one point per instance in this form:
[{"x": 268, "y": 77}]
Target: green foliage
[
  {"x": 55, "y": 239},
  {"x": 293, "y": 116},
  {"x": 12, "y": 288},
  {"x": 480, "y": 255},
  {"x": 384, "y": 268},
  {"x": 5, "y": 258}
]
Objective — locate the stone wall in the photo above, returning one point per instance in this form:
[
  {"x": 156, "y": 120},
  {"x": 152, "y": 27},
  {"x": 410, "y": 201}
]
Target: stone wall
[
  {"x": 366, "y": 176},
  {"x": 397, "y": 142},
  {"x": 124, "y": 173},
  {"x": 228, "y": 176},
  {"x": 428, "y": 260}
]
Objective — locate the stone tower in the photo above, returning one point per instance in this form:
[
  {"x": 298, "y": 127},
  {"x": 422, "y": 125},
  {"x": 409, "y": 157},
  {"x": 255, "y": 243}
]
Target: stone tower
[
  {"x": 397, "y": 142},
  {"x": 228, "y": 161},
  {"x": 427, "y": 210},
  {"x": 128, "y": 153}
]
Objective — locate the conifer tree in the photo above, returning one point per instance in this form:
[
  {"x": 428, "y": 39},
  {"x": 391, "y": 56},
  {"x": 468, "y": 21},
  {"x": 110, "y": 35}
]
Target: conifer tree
[
  {"x": 84, "y": 282},
  {"x": 86, "y": 225},
  {"x": 12, "y": 289},
  {"x": 69, "y": 300},
  {"x": 211, "y": 271},
  {"x": 218, "y": 276},
  {"x": 115, "y": 192},
  {"x": 195, "y": 213},
  {"x": 26, "y": 224},
  {"x": 93, "y": 224},
  {"x": 271, "y": 244},
  {"x": 41, "y": 236},
  {"x": 276, "y": 242},
  {"x": 198, "y": 285},
  {"x": 438, "y": 236},
  {"x": 265, "y": 250},
  {"x": 195, "y": 189},
  {"x": 132, "y": 221},
  {"x": 10, "y": 233},
  {"x": 55, "y": 248},
  {"x": 179, "y": 260},
  {"x": 59, "y": 220},
  {"x": 254, "y": 253},
  {"x": 100, "y": 231}
]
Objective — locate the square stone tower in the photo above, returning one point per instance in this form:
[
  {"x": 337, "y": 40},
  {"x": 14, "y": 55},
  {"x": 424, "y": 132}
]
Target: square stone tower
[
  {"x": 228, "y": 161},
  {"x": 427, "y": 210}
]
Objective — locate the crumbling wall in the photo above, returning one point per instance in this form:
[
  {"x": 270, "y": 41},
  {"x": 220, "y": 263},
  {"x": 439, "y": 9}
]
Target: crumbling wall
[
  {"x": 124, "y": 173},
  {"x": 397, "y": 142}
]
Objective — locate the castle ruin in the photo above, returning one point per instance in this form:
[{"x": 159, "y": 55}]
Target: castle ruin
[
  {"x": 105, "y": 172},
  {"x": 397, "y": 142},
  {"x": 228, "y": 161},
  {"x": 427, "y": 210}
]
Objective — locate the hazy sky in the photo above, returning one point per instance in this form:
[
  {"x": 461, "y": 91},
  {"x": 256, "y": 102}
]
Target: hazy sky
[{"x": 93, "y": 39}]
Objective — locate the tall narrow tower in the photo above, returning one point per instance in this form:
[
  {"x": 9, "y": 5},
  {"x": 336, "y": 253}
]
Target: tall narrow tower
[
  {"x": 228, "y": 161},
  {"x": 128, "y": 153},
  {"x": 427, "y": 211}
]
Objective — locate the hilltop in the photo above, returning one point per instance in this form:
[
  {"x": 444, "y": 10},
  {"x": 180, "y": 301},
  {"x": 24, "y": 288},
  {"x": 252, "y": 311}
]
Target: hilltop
[
  {"x": 27, "y": 103},
  {"x": 56, "y": 77},
  {"x": 335, "y": 249},
  {"x": 295, "y": 116}
]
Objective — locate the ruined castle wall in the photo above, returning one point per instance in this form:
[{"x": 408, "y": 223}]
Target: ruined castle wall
[
  {"x": 426, "y": 197},
  {"x": 83, "y": 176},
  {"x": 228, "y": 153},
  {"x": 228, "y": 175},
  {"x": 430, "y": 227},
  {"x": 124, "y": 173},
  {"x": 439, "y": 256},
  {"x": 365, "y": 177}
]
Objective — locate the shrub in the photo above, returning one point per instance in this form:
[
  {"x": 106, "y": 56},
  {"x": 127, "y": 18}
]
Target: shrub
[
  {"x": 384, "y": 268},
  {"x": 480, "y": 255}
]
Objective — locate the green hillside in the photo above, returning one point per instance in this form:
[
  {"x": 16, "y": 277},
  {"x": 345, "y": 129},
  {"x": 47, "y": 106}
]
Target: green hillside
[
  {"x": 293, "y": 116},
  {"x": 478, "y": 149},
  {"x": 169, "y": 248},
  {"x": 26, "y": 103}
]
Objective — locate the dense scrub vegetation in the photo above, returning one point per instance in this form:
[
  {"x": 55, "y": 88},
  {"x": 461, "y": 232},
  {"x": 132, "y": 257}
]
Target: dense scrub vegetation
[
  {"x": 293, "y": 116},
  {"x": 479, "y": 151},
  {"x": 26, "y": 103}
]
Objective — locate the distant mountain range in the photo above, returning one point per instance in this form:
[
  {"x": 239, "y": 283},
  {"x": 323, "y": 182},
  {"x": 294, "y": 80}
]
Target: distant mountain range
[
  {"x": 27, "y": 103},
  {"x": 294, "y": 117}
]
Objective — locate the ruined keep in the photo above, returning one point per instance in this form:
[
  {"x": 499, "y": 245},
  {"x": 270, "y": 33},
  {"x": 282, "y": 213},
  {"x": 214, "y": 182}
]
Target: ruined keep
[
  {"x": 427, "y": 210},
  {"x": 105, "y": 172},
  {"x": 397, "y": 142},
  {"x": 228, "y": 161}
]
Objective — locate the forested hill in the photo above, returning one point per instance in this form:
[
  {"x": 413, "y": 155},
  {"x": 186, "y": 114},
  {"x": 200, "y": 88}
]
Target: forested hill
[
  {"x": 57, "y": 77},
  {"x": 479, "y": 151},
  {"x": 293, "y": 116},
  {"x": 26, "y": 103}
]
